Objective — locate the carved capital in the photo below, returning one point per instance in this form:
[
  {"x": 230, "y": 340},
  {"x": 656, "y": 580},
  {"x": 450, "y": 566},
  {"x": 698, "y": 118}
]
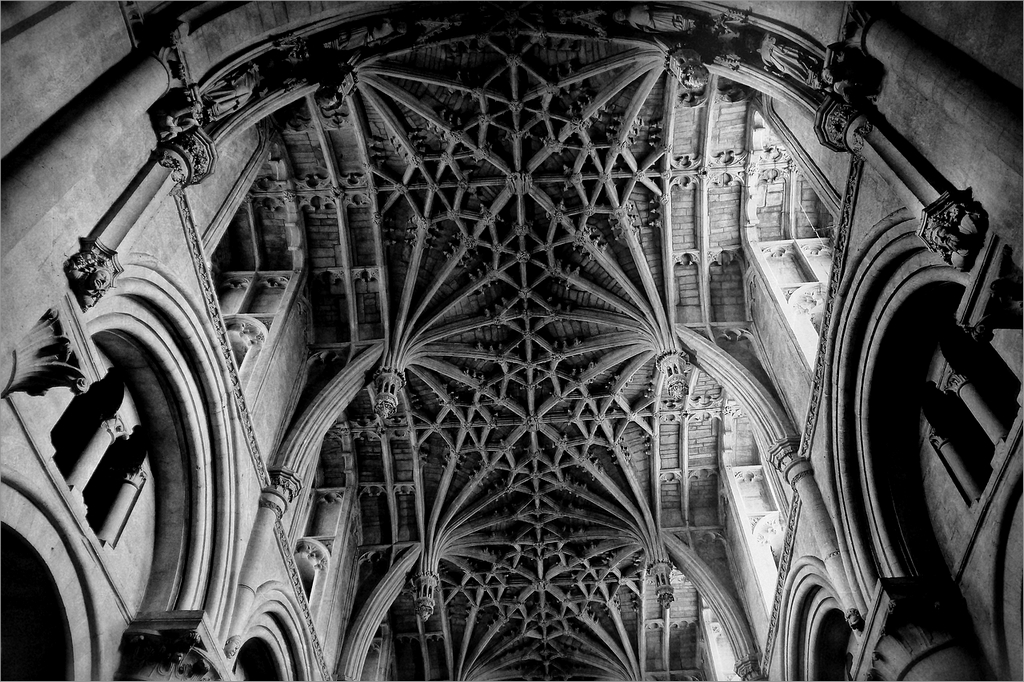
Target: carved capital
[
  {"x": 783, "y": 454},
  {"x": 273, "y": 503},
  {"x": 955, "y": 382},
  {"x": 232, "y": 646},
  {"x": 190, "y": 156},
  {"x": 284, "y": 484},
  {"x": 749, "y": 668},
  {"x": 840, "y": 127},
  {"x": 43, "y": 359},
  {"x": 952, "y": 226},
  {"x": 91, "y": 272}
]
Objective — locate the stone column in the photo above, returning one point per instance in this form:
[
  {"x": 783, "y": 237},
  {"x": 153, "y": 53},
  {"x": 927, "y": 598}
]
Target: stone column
[
  {"x": 952, "y": 457},
  {"x": 273, "y": 503},
  {"x": 800, "y": 475},
  {"x": 994, "y": 428},
  {"x": 81, "y": 142},
  {"x": 957, "y": 91},
  {"x": 131, "y": 484},
  {"x": 85, "y": 467},
  {"x": 952, "y": 224}
]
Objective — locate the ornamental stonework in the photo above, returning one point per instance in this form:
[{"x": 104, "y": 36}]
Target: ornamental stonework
[{"x": 953, "y": 226}]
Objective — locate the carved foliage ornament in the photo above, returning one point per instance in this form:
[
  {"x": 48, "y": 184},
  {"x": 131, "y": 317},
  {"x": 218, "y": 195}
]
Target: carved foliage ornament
[{"x": 43, "y": 359}]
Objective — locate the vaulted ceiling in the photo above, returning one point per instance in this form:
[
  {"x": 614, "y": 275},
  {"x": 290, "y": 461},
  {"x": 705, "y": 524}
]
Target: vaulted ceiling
[{"x": 523, "y": 205}]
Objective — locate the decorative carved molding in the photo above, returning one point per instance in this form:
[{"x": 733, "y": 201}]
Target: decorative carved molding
[
  {"x": 300, "y": 597},
  {"x": 209, "y": 293},
  {"x": 285, "y": 483},
  {"x": 43, "y": 359},
  {"x": 749, "y": 668},
  {"x": 780, "y": 583},
  {"x": 91, "y": 272},
  {"x": 840, "y": 242},
  {"x": 953, "y": 227}
]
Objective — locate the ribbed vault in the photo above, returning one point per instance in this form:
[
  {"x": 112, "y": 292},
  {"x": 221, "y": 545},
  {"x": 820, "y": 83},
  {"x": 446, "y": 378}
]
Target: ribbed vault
[{"x": 522, "y": 204}]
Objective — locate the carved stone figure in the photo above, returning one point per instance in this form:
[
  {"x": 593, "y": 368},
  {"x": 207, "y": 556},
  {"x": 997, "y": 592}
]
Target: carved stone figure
[
  {"x": 232, "y": 93},
  {"x": 693, "y": 77},
  {"x": 951, "y": 226},
  {"x": 91, "y": 272},
  {"x": 788, "y": 60},
  {"x": 654, "y": 19},
  {"x": 368, "y": 35}
]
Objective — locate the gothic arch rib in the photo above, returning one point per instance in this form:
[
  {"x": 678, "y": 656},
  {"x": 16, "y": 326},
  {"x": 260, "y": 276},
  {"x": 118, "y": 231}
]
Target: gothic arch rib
[
  {"x": 771, "y": 424},
  {"x": 301, "y": 446}
]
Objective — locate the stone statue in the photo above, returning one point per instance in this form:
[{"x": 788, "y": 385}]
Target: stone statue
[
  {"x": 368, "y": 35},
  {"x": 91, "y": 273},
  {"x": 788, "y": 60},
  {"x": 653, "y": 19},
  {"x": 232, "y": 93}
]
